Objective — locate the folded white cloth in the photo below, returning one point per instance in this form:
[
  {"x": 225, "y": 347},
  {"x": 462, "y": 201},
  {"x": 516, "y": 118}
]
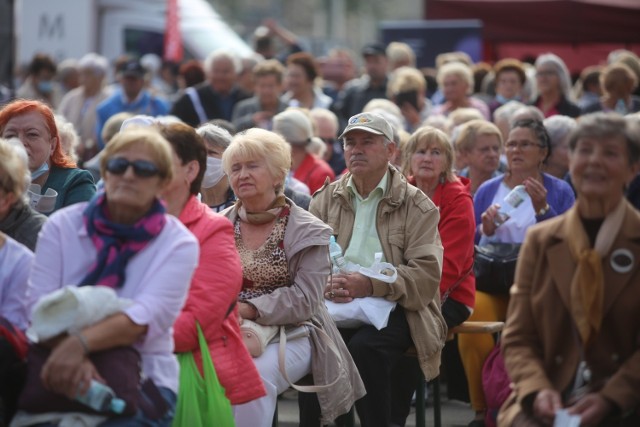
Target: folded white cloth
[
  {"x": 361, "y": 311},
  {"x": 62, "y": 419}
]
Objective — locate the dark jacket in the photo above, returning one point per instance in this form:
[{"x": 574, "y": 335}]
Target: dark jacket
[
  {"x": 212, "y": 104},
  {"x": 23, "y": 224}
]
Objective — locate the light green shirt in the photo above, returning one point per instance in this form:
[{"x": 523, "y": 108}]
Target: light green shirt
[{"x": 364, "y": 239}]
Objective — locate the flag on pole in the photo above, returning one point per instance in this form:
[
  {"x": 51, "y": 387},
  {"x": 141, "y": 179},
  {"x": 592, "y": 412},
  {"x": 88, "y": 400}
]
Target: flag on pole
[{"x": 172, "y": 36}]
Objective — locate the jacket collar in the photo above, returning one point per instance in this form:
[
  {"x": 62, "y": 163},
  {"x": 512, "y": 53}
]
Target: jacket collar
[
  {"x": 562, "y": 265},
  {"x": 393, "y": 197}
]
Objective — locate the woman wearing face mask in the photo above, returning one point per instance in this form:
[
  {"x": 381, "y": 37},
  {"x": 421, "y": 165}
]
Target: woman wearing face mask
[
  {"x": 215, "y": 190},
  {"x": 39, "y": 83},
  {"x": 215, "y": 285},
  {"x": 61, "y": 182}
]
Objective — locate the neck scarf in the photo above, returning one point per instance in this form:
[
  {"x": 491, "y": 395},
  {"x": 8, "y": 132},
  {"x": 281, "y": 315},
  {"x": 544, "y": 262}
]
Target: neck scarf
[
  {"x": 117, "y": 243},
  {"x": 587, "y": 285},
  {"x": 263, "y": 217}
]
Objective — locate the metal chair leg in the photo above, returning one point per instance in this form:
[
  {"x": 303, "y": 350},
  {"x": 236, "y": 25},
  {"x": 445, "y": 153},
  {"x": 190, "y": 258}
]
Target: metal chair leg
[{"x": 437, "y": 420}]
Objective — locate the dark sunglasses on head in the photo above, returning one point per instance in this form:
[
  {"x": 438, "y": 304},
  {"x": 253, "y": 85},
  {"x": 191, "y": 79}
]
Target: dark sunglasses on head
[{"x": 141, "y": 168}]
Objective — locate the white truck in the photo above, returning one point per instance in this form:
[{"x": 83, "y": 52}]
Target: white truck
[{"x": 72, "y": 28}]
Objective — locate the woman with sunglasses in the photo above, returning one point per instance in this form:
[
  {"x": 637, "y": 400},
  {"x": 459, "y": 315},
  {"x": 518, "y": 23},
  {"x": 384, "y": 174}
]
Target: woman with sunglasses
[
  {"x": 33, "y": 123},
  {"x": 124, "y": 239},
  {"x": 527, "y": 147}
]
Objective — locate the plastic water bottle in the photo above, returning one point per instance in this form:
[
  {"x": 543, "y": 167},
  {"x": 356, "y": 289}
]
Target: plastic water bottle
[
  {"x": 338, "y": 263},
  {"x": 621, "y": 107},
  {"x": 510, "y": 203},
  {"x": 101, "y": 398}
]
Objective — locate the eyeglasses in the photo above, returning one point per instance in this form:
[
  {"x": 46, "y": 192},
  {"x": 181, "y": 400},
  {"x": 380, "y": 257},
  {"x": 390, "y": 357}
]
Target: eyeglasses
[
  {"x": 141, "y": 168},
  {"x": 524, "y": 145}
]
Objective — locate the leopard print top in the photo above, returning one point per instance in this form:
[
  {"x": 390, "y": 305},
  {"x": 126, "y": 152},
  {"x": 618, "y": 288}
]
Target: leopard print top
[{"x": 265, "y": 269}]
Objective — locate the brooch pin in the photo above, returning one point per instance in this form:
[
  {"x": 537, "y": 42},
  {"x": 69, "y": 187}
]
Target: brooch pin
[{"x": 622, "y": 261}]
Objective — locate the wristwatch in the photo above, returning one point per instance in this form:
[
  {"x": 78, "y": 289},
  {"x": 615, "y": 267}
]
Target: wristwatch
[{"x": 544, "y": 210}]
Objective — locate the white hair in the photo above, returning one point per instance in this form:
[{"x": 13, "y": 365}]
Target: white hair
[
  {"x": 14, "y": 159},
  {"x": 215, "y": 135},
  {"x": 561, "y": 69},
  {"x": 98, "y": 64},
  {"x": 559, "y": 127},
  {"x": 69, "y": 138},
  {"x": 223, "y": 54}
]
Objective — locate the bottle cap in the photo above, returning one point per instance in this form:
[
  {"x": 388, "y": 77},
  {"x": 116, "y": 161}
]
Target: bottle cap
[
  {"x": 117, "y": 405},
  {"x": 332, "y": 239}
]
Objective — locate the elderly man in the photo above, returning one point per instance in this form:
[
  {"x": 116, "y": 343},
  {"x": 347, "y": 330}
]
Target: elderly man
[
  {"x": 373, "y": 209},
  {"x": 216, "y": 97},
  {"x": 79, "y": 105}
]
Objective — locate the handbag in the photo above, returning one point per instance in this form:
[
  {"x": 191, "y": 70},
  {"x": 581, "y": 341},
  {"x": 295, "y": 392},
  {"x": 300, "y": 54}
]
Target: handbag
[
  {"x": 201, "y": 398},
  {"x": 120, "y": 367},
  {"x": 495, "y": 266},
  {"x": 256, "y": 337}
]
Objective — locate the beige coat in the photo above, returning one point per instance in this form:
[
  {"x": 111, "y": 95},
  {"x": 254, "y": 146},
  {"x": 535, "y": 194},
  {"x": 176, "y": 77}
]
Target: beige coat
[
  {"x": 306, "y": 245},
  {"x": 407, "y": 225},
  {"x": 538, "y": 343}
]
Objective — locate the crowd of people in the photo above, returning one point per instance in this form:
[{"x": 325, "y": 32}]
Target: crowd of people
[{"x": 207, "y": 194}]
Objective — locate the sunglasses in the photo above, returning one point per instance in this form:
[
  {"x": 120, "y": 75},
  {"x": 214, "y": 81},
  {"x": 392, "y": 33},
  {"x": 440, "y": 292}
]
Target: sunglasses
[{"x": 141, "y": 168}]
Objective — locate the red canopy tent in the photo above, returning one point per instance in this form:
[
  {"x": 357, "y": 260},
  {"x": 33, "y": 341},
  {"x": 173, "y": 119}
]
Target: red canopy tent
[{"x": 581, "y": 31}]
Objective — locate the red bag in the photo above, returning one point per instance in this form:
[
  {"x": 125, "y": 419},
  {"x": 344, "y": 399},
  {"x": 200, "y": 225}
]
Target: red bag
[{"x": 495, "y": 384}]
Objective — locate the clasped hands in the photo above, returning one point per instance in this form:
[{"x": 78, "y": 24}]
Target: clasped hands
[{"x": 344, "y": 287}]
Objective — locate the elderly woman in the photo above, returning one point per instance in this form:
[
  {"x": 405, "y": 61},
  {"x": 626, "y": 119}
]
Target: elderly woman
[
  {"x": 456, "y": 82},
  {"x": 571, "y": 339},
  {"x": 295, "y": 127},
  {"x": 33, "y": 123},
  {"x": 618, "y": 83},
  {"x": 527, "y": 148},
  {"x": 408, "y": 88},
  {"x": 79, "y": 105},
  {"x": 509, "y": 80},
  {"x": 215, "y": 190},
  {"x": 559, "y": 129},
  {"x": 17, "y": 219},
  {"x": 218, "y": 278},
  {"x": 300, "y": 79},
  {"x": 122, "y": 239},
  {"x": 553, "y": 82},
  {"x": 478, "y": 145},
  {"x": 428, "y": 162},
  {"x": 284, "y": 254}
]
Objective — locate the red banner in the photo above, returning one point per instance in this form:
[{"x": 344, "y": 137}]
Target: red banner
[{"x": 172, "y": 36}]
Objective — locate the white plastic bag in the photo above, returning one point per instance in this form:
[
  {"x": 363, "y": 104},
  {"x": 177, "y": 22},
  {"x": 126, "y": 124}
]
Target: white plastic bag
[
  {"x": 361, "y": 311},
  {"x": 71, "y": 309}
]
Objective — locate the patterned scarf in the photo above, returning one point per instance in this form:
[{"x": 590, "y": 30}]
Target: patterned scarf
[
  {"x": 117, "y": 243},
  {"x": 265, "y": 217},
  {"x": 587, "y": 285}
]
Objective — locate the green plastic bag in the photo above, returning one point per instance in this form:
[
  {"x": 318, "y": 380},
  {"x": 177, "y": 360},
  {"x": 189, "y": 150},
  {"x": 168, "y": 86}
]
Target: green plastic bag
[{"x": 201, "y": 401}]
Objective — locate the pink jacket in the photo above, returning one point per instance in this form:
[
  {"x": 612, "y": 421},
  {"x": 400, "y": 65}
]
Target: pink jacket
[{"x": 214, "y": 288}]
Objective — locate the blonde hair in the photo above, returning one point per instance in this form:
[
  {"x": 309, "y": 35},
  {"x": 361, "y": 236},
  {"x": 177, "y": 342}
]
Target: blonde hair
[
  {"x": 256, "y": 144},
  {"x": 461, "y": 116},
  {"x": 456, "y": 69},
  {"x": 269, "y": 67},
  {"x": 147, "y": 137},
  {"x": 405, "y": 79},
  {"x": 428, "y": 136},
  {"x": 14, "y": 168},
  {"x": 470, "y": 131},
  {"x": 400, "y": 53}
]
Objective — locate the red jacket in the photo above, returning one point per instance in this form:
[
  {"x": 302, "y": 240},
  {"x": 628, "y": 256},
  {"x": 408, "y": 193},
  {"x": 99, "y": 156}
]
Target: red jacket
[
  {"x": 457, "y": 230},
  {"x": 313, "y": 172},
  {"x": 214, "y": 288}
]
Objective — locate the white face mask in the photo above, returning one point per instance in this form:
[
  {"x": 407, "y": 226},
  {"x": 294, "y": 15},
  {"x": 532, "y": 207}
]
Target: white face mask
[{"x": 213, "y": 174}]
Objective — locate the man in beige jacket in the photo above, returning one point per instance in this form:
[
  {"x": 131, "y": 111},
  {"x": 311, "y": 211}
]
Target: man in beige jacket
[{"x": 373, "y": 209}]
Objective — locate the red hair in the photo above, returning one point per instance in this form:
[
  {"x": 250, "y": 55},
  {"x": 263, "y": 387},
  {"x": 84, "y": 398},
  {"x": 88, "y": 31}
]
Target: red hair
[{"x": 20, "y": 107}]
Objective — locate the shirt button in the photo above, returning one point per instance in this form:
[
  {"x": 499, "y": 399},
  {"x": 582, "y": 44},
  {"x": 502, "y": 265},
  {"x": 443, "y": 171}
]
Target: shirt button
[
  {"x": 558, "y": 359},
  {"x": 615, "y": 357}
]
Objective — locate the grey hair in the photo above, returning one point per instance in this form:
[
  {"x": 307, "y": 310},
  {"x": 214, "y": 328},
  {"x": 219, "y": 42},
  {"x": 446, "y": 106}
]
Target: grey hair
[
  {"x": 505, "y": 111},
  {"x": 215, "y": 135},
  {"x": 98, "y": 64},
  {"x": 602, "y": 125},
  {"x": 69, "y": 138},
  {"x": 223, "y": 54},
  {"x": 526, "y": 112},
  {"x": 561, "y": 69},
  {"x": 559, "y": 127}
]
